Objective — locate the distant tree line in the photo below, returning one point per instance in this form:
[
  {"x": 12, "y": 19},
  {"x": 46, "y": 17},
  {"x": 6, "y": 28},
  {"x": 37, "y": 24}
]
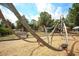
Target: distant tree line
[
  {"x": 73, "y": 16},
  {"x": 46, "y": 20},
  {"x": 4, "y": 29}
]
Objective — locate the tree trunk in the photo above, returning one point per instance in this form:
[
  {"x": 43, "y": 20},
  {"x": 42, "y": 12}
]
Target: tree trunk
[
  {"x": 52, "y": 33},
  {"x": 46, "y": 34}
]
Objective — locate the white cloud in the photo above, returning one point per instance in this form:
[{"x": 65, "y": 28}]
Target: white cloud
[
  {"x": 27, "y": 17},
  {"x": 30, "y": 17},
  {"x": 65, "y": 14},
  {"x": 20, "y": 13},
  {"x": 40, "y": 7},
  {"x": 58, "y": 13},
  {"x": 8, "y": 14},
  {"x": 44, "y": 7},
  {"x": 55, "y": 12},
  {"x": 39, "y": 1},
  {"x": 35, "y": 17},
  {"x": 0, "y": 7}
]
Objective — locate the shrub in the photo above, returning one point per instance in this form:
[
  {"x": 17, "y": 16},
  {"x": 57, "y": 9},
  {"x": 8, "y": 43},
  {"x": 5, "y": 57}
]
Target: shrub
[{"x": 5, "y": 31}]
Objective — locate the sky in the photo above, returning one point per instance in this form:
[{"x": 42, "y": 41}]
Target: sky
[{"x": 32, "y": 10}]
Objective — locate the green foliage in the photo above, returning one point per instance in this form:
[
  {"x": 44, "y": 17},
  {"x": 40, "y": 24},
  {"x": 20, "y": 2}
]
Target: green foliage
[
  {"x": 73, "y": 18},
  {"x": 0, "y": 25},
  {"x": 44, "y": 19},
  {"x": 5, "y": 31},
  {"x": 77, "y": 20},
  {"x": 34, "y": 24},
  {"x": 12, "y": 26},
  {"x": 18, "y": 23}
]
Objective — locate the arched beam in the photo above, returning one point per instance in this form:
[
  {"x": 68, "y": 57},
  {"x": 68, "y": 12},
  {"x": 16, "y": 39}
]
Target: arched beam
[
  {"x": 11, "y": 7},
  {"x": 6, "y": 5}
]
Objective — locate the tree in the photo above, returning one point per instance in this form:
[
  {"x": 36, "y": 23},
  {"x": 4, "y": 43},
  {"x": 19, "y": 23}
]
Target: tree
[
  {"x": 72, "y": 17},
  {"x": 9, "y": 24},
  {"x": 18, "y": 23},
  {"x": 12, "y": 26},
  {"x": 77, "y": 20},
  {"x": 1, "y": 25},
  {"x": 4, "y": 30},
  {"x": 34, "y": 24},
  {"x": 45, "y": 20}
]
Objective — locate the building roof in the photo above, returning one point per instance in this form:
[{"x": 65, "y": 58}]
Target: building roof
[
  {"x": 77, "y": 27},
  {"x": 1, "y": 15}
]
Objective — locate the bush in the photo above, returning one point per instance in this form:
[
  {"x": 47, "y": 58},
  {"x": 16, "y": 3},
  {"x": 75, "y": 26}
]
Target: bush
[{"x": 5, "y": 31}]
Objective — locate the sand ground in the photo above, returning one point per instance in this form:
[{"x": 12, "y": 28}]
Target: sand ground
[{"x": 23, "y": 48}]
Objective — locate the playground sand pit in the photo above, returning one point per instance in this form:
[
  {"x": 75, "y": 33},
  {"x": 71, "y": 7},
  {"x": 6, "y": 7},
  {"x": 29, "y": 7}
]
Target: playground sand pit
[{"x": 23, "y": 48}]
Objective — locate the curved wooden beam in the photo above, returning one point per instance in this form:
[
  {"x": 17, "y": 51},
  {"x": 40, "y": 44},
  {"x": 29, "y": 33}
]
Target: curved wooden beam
[
  {"x": 11, "y": 7},
  {"x": 71, "y": 53}
]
